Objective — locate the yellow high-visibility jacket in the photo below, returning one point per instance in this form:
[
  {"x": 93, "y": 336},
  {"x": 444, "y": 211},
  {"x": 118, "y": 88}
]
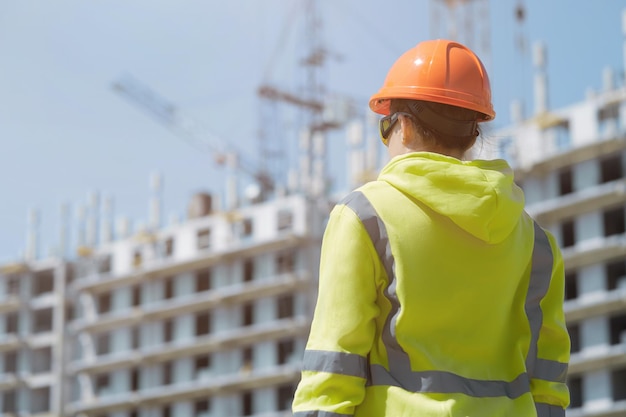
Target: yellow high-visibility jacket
[{"x": 438, "y": 296}]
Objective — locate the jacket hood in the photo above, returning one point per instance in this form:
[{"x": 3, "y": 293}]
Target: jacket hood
[{"x": 479, "y": 196}]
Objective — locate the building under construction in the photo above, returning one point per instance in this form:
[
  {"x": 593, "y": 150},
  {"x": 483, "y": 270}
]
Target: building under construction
[
  {"x": 209, "y": 317},
  {"x": 571, "y": 163},
  {"x": 206, "y": 318}
]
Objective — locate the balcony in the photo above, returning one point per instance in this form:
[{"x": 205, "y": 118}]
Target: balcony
[
  {"x": 8, "y": 381},
  {"x": 615, "y": 409},
  {"x": 583, "y": 201},
  {"x": 223, "y": 340},
  {"x": 592, "y": 251},
  {"x": 10, "y": 341},
  {"x": 597, "y": 357},
  {"x": 9, "y": 304},
  {"x": 234, "y": 294},
  {"x": 571, "y": 156},
  {"x": 217, "y": 386},
  {"x": 596, "y": 304},
  {"x": 204, "y": 259}
]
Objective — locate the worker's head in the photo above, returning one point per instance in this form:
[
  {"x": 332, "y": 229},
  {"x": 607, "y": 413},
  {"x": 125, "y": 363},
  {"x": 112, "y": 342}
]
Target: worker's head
[{"x": 433, "y": 98}]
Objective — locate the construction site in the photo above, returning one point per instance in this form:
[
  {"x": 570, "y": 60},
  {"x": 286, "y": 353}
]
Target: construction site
[{"x": 208, "y": 316}]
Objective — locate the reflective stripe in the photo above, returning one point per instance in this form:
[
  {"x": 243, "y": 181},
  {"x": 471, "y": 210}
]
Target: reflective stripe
[
  {"x": 318, "y": 413},
  {"x": 548, "y": 410},
  {"x": 399, "y": 362},
  {"x": 540, "y": 276},
  {"x": 335, "y": 362},
  {"x": 447, "y": 383},
  {"x": 548, "y": 370},
  {"x": 400, "y": 373}
]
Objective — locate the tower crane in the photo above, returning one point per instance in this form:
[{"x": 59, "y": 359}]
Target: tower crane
[{"x": 184, "y": 126}]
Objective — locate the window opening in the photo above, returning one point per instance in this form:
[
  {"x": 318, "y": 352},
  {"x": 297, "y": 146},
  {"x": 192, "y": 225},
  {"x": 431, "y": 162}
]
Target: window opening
[
  {"x": 8, "y": 401},
  {"x": 42, "y": 360},
  {"x": 44, "y": 282},
  {"x": 42, "y": 320},
  {"x": 134, "y": 379},
  {"x": 167, "y": 373},
  {"x": 136, "y": 295},
  {"x": 285, "y": 220},
  {"x": 611, "y": 168},
  {"x": 248, "y": 270},
  {"x": 168, "y": 290},
  {"x": 101, "y": 382},
  {"x": 285, "y": 306},
  {"x": 203, "y": 324},
  {"x": 12, "y": 323},
  {"x": 40, "y": 400},
  {"x": 247, "y": 228},
  {"x": 248, "y": 314},
  {"x": 614, "y": 221},
  {"x": 169, "y": 246},
  {"x": 203, "y": 280},
  {"x": 104, "y": 303},
  {"x": 571, "y": 286},
  {"x": 565, "y": 181},
  {"x": 10, "y": 362},
  {"x": 137, "y": 258},
  {"x": 286, "y": 349},
  {"x": 575, "y": 385},
  {"x": 568, "y": 233},
  {"x": 574, "y": 335},
  {"x": 618, "y": 378},
  {"x": 103, "y": 343},
  {"x": 202, "y": 406},
  {"x": 168, "y": 330},
  {"x": 617, "y": 326},
  {"x": 104, "y": 264},
  {"x": 285, "y": 262},
  {"x": 204, "y": 238},
  {"x": 285, "y": 396},
  {"x": 246, "y": 403},
  {"x": 616, "y": 275},
  {"x": 13, "y": 285}
]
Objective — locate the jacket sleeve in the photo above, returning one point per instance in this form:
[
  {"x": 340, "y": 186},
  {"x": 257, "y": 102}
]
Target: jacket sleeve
[
  {"x": 548, "y": 378},
  {"x": 342, "y": 332}
]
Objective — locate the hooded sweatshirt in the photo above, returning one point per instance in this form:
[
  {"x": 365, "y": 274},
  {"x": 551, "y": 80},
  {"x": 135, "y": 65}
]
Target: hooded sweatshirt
[{"x": 438, "y": 296}]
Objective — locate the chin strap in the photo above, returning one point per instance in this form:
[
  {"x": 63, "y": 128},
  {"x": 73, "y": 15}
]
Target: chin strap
[{"x": 443, "y": 124}]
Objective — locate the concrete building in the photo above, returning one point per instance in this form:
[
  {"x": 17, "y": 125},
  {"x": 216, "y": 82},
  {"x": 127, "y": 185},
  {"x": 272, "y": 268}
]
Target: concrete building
[
  {"x": 571, "y": 163},
  {"x": 209, "y": 317},
  {"x": 205, "y": 318}
]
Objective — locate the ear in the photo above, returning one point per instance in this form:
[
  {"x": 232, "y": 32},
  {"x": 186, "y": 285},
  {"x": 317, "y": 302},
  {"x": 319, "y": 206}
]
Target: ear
[{"x": 409, "y": 132}]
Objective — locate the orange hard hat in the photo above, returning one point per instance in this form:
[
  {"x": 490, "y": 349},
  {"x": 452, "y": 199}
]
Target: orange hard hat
[{"x": 439, "y": 71}]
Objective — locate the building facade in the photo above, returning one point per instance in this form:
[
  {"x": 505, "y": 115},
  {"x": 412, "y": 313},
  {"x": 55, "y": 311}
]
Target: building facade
[
  {"x": 206, "y": 318},
  {"x": 571, "y": 164}
]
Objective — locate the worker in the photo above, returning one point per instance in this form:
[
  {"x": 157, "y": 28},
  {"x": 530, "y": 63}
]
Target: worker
[{"x": 438, "y": 294}]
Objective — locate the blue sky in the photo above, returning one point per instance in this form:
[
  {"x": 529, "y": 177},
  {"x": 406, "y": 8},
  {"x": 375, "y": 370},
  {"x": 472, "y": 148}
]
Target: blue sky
[{"x": 65, "y": 133}]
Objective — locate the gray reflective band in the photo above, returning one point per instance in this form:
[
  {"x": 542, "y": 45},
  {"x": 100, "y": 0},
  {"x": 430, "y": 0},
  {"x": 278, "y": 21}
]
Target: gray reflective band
[
  {"x": 335, "y": 363},
  {"x": 448, "y": 383},
  {"x": 548, "y": 370},
  {"x": 547, "y": 410},
  {"x": 400, "y": 373},
  {"x": 318, "y": 413},
  {"x": 540, "y": 276},
  {"x": 398, "y": 360}
]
